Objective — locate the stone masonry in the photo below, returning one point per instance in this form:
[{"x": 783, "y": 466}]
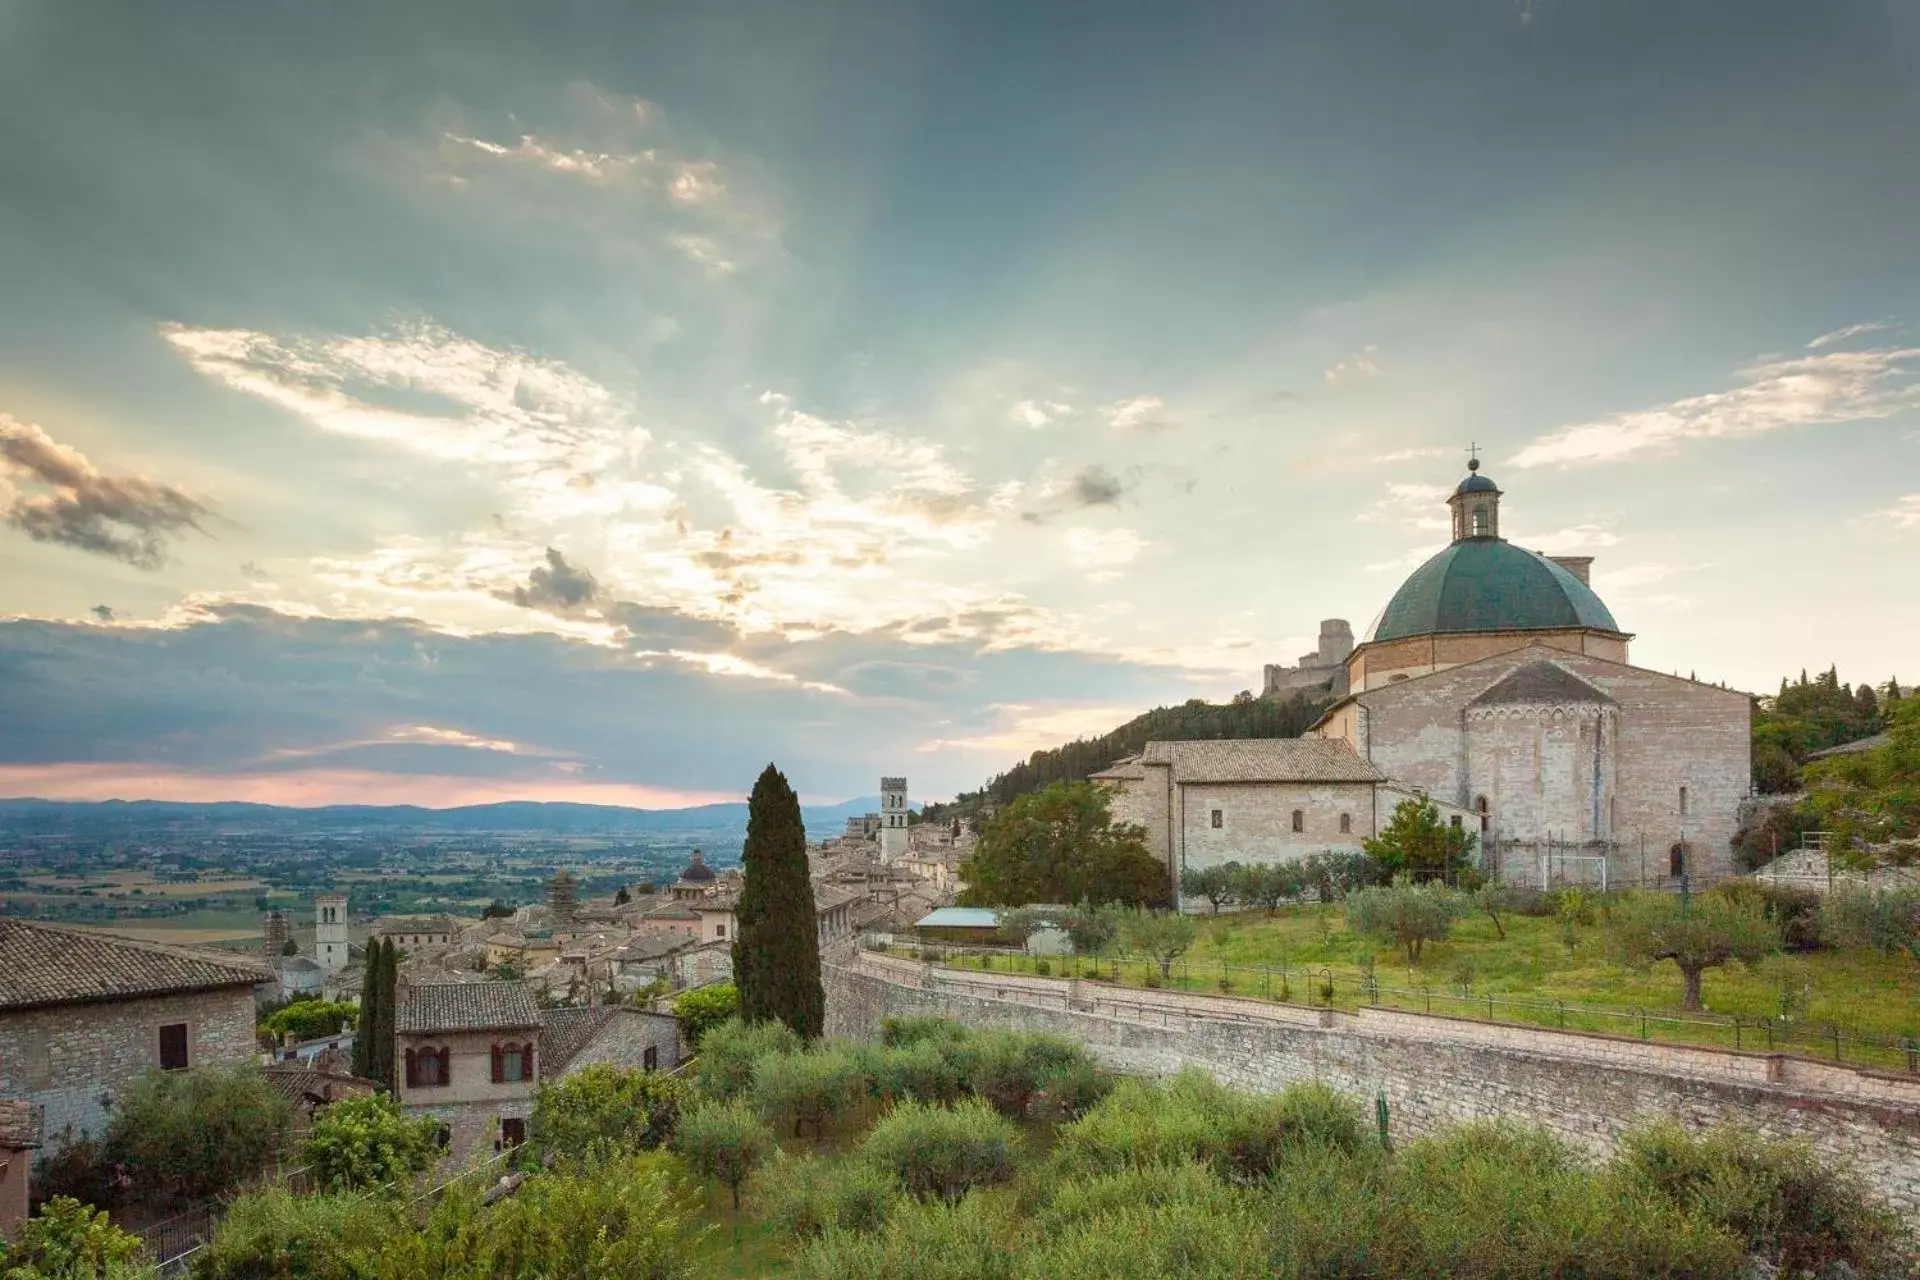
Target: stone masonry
[
  {"x": 75, "y": 1060},
  {"x": 1434, "y": 1071}
]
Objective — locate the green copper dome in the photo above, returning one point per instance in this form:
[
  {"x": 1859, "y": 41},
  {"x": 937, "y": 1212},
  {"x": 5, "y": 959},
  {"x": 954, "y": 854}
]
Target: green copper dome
[{"x": 1488, "y": 584}]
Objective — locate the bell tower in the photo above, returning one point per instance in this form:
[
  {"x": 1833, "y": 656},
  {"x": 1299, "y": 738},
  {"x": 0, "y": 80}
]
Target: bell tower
[{"x": 1476, "y": 505}]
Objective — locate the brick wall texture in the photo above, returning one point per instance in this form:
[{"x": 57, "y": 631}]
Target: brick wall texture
[
  {"x": 74, "y": 1060},
  {"x": 1434, "y": 1071}
]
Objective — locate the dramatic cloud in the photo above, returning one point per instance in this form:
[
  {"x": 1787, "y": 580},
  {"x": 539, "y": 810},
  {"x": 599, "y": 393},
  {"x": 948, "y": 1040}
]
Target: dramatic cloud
[
  {"x": 557, "y": 586},
  {"x": 1096, "y": 486},
  {"x": 128, "y": 518},
  {"x": 1779, "y": 394}
]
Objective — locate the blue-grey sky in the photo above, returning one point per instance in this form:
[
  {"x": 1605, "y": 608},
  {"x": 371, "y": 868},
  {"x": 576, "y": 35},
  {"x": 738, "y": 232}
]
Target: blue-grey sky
[{"x": 455, "y": 401}]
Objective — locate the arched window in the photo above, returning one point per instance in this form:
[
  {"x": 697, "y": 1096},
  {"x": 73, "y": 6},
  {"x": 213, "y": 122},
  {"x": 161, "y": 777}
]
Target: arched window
[
  {"x": 1480, "y": 529},
  {"x": 1480, "y": 807},
  {"x": 1346, "y": 824},
  {"x": 1677, "y": 859},
  {"x": 1299, "y": 820},
  {"x": 428, "y": 1067}
]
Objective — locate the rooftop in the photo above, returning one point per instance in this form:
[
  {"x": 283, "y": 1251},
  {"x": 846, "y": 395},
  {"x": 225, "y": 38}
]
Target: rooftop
[
  {"x": 1489, "y": 584},
  {"x": 465, "y": 1006},
  {"x": 1540, "y": 681},
  {"x": 1262, "y": 760},
  {"x": 565, "y": 1032},
  {"x": 44, "y": 965}
]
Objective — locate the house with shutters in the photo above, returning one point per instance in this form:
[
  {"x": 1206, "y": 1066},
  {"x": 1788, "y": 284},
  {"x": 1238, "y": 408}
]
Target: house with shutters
[
  {"x": 469, "y": 1057},
  {"x": 83, "y": 1015}
]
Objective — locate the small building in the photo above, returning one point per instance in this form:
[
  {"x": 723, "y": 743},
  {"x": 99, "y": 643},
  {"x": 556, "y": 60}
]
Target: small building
[
  {"x": 468, "y": 1057},
  {"x": 84, "y": 1015},
  {"x": 525, "y": 952},
  {"x": 299, "y": 976},
  {"x": 19, "y": 1138},
  {"x": 977, "y": 925},
  {"x": 309, "y": 1088},
  {"x": 620, "y": 1036},
  {"x": 677, "y": 919},
  {"x": 415, "y": 931}
]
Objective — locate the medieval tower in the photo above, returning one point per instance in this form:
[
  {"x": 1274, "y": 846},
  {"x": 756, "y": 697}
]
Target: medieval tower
[
  {"x": 330, "y": 931},
  {"x": 893, "y": 819}
]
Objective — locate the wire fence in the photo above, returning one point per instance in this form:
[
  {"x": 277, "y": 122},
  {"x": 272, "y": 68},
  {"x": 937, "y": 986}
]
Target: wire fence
[{"x": 1321, "y": 987}]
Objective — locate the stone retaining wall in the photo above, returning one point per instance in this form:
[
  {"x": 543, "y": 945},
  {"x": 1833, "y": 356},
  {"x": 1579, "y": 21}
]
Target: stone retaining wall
[{"x": 1434, "y": 1071}]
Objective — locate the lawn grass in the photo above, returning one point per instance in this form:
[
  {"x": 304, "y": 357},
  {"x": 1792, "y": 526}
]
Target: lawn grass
[{"x": 1534, "y": 977}]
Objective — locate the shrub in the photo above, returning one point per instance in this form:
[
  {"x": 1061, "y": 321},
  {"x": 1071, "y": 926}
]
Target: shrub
[
  {"x": 602, "y": 1103},
  {"x": 1009, "y": 1068},
  {"x": 704, "y": 1008},
  {"x": 1886, "y": 920},
  {"x": 82, "y": 1170},
  {"x": 723, "y": 1143},
  {"x": 68, "y": 1240},
  {"x": 905, "y": 1031},
  {"x": 361, "y": 1143},
  {"x": 919, "y": 1070},
  {"x": 974, "y": 1239},
  {"x": 807, "y": 1088},
  {"x": 729, "y": 1052},
  {"x": 1794, "y": 912},
  {"x": 274, "y": 1233},
  {"x": 191, "y": 1135},
  {"x": 942, "y": 1152},
  {"x": 312, "y": 1019},
  {"x": 1775, "y": 1196},
  {"x": 808, "y": 1196},
  {"x": 1071, "y": 1091},
  {"x": 1409, "y": 915}
]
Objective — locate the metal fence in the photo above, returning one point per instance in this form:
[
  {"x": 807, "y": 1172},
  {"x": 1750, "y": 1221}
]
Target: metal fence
[{"x": 1321, "y": 987}]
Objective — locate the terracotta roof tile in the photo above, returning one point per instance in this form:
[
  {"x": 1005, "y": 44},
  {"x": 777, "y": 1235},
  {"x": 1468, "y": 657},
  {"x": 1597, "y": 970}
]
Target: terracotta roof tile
[
  {"x": 44, "y": 965},
  {"x": 1262, "y": 760},
  {"x": 1540, "y": 681},
  {"x": 565, "y": 1032},
  {"x": 429, "y": 1007}
]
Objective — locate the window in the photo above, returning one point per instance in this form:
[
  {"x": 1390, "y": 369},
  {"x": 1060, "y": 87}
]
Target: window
[
  {"x": 429, "y": 1067},
  {"x": 513, "y": 1132},
  {"x": 1346, "y": 824},
  {"x": 173, "y": 1047},
  {"x": 650, "y": 1059},
  {"x": 719, "y": 931},
  {"x": 1454, "y": 822},
  {"x": 1299, "y": 820},
  {"x": 510, "y": 1065},
  {"x": 1683, "y": 802},
  {"x": 1479, "y": 522},
  {"x": 1217, "y": 819},
  {"x": 1480, "y": 807},
  {"x": 1677, "y": 859}
]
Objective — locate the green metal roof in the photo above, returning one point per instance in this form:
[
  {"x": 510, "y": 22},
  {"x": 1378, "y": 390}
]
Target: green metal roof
[{"x": 1488, "y": 584}]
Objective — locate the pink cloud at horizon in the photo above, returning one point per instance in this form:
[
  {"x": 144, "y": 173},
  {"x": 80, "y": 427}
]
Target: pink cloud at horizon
[{"x": 313, "y": 788}]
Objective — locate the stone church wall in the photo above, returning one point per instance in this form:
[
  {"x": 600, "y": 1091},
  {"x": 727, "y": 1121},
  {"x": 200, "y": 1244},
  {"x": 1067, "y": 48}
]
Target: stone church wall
[
  {"x": 1434, "y": 1071},
  {"x": 1256, "y": 820}
]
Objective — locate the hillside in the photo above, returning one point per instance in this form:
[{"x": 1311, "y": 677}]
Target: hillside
[{"x": 1244, "y": 717}]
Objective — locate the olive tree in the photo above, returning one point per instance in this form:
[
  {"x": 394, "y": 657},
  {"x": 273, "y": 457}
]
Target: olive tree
[
  {"x": 723, "y": 1143},
  {"x": 1407, "y": 914},
  {"x": 1164, "y": 935},
  {"x": 1697, "y": 934}
]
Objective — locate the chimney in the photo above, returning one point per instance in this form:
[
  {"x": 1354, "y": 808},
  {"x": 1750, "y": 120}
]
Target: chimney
[{"x": 1579, "y": 566}]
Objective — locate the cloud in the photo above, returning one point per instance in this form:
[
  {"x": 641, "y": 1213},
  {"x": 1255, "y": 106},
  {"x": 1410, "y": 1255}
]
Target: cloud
[
  {"x": 1412, "y": 559},
  {"x": 1411, "y": 505},
  {"x": 1137, "y": 413},
  {"x": 704, "y": 251},
  {"x": 1358, "y": 367},
  {"x": 1038, "y": 413},
  {"x": 1572, "y": 540},
  {"x": 104, "y": 612},
  {"x": 594, "y": 166},
  {"x": 1095, "y": 486},
  {"x": 1414, "y": 455},
  {"x": 1779, "y": 394},
  {"x": 1848, "y": 331},
  {"x": 1903, "y": 516},
  {"x": 127, "y": 518},
  {"x": 1102, "y": 548},
  {"x": 556, "y": 586},
  {"x": 696, "y": 182},
  {"x": 1630, "y": 578}
]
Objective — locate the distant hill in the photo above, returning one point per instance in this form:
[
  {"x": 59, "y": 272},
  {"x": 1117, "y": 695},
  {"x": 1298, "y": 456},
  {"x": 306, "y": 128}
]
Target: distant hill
[
  {"x": 29, "y": 816},
  {"x": 1244, "y": 717}
]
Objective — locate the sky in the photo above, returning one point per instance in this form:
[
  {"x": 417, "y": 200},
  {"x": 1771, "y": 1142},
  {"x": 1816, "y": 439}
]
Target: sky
[{"x": 459, "y": 401}]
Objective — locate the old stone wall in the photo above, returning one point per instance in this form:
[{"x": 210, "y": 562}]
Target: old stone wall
[
  {"x": 625, "y": 1039},
  {"x": 1256, "y": 820},
  {"x": 75, "y": 1060},
  {"x": 1434, "y": 1071},
  {"x": 471, "y": 1078}
]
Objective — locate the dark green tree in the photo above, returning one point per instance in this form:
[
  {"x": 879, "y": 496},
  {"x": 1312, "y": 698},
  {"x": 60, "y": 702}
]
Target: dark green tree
[
  {"x": 383, "y": 963},
  {"x": 369, "y": 1022},
  {"x": 776, "y": 948},
  {"x": 1416, "y": 841},
  {"x": 1062, "y": 845}
]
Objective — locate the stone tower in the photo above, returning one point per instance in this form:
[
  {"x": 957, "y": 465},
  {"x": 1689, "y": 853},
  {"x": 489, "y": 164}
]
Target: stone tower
[
  {"x": 893, "y": 818},
  {"x": 330, "y": 931},
  {"x": 274, "y": 935},
  {"x": 561, "y": 898},
  {"x": 1476, "y": 506}
]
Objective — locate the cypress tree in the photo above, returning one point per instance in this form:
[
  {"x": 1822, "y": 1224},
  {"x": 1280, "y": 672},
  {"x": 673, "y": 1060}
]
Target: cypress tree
[
  {"x": 369, "y": 1014},
  {"x": 389, "y": 992},
  {"x": 776, "y": 947}
]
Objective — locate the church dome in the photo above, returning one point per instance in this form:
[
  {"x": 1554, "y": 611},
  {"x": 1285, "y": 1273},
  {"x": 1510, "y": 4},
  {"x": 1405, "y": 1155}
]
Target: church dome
[
  {"x": 1488, "y": 584},
  {"x": 1477, "y": 483},
  {"x": 697, "y": 870}
]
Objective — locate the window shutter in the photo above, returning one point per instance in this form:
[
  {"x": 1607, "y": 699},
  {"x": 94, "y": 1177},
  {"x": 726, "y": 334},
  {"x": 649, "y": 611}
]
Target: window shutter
[
  {"x": 499, "y": 1070},
  {"x": 413, "y": 1070},
  {"x": 526, "y": 1062}
]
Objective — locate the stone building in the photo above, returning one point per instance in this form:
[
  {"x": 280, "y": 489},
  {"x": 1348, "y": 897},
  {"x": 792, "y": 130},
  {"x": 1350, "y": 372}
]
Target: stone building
[
  {"x": 19, "y": 1138},
  {"x": 415, "y": 931},
  {"x": 84, "y": 1015},
  {"x": 469, "y": 1057},
  {"x": 330, "y": 945},
  {"x": 893, "y": 818},
  {"x": 1496, "y": 683},
  {"x": 1323, "y": 669}
]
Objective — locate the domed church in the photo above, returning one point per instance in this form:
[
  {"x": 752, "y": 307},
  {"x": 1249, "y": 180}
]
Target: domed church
[{"x": 1496, "y": 683}]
